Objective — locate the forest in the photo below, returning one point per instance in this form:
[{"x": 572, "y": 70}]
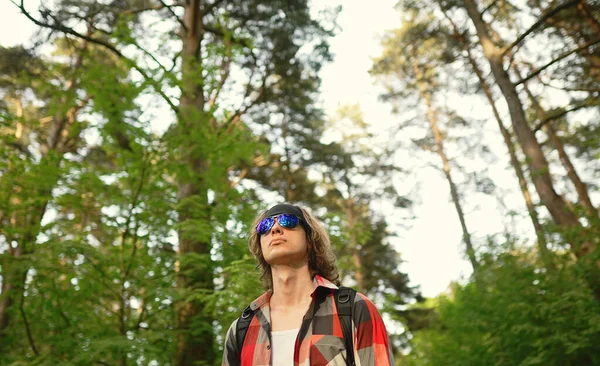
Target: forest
[{"x": 140, "y": 138}]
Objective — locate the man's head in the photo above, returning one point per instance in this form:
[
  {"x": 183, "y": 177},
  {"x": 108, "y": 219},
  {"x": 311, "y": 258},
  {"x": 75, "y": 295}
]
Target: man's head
[{"x": 289, "y": 235}]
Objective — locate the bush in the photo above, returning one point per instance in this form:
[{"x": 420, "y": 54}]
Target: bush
[{"x": 514, "y": 312}]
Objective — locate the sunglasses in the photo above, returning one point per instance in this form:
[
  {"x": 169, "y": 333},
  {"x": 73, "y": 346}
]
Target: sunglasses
[{"x": 287, "y": 221}]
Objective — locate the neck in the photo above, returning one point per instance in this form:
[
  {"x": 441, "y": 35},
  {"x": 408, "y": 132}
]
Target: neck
[{"x": 291, "y": 286}]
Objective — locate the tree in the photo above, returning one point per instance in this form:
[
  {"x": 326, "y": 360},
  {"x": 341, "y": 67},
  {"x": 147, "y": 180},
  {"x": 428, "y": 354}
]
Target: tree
[
  {"x": 416, "y": 63},
  {"x": 357, "y": 175},
  {"x": 36, "y": 144},
  {"x": 508, "y": 140},
  {"x": 562, "y": 215}
]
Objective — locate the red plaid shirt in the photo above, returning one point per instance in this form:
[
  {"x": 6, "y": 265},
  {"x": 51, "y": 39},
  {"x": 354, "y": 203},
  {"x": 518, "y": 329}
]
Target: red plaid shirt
[{"x": 320, "y": 340}]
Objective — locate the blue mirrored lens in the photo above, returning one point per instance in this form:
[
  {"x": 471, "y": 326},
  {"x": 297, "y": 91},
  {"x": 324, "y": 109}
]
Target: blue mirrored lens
[
  {"x": 288, "y": 221},
  {"x": 265, "y": 225},
  {"x": 285, "y": 220}
]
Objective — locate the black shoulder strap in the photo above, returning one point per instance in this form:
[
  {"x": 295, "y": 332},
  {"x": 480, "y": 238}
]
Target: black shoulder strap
[
  {"x": 242, "y": 327},
  {"x": 344, "y": 301}
]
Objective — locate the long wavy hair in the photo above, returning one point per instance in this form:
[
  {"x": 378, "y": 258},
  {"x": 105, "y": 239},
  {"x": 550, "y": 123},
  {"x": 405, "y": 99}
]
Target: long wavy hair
[{"x": 321, "y": 258}]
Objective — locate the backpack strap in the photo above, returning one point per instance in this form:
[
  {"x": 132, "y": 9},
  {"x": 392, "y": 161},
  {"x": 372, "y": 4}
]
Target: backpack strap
[
  {"x": 242, "y": 327},
  {"x": 344, "y": 301}
]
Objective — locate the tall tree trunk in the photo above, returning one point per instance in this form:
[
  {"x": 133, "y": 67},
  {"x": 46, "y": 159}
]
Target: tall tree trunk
[
  {"x": 514, "y": 160},
  {"x": 439, "y": 140},
  {"x": 354, "y": 242},
  {"x": 195, "y": 341},
  {"x": 580, "y": 186},
  {"x": 537, "y": 163}
]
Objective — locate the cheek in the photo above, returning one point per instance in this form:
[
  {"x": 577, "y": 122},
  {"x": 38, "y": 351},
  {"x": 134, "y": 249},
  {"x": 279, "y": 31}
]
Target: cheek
[{"x": 304, "y": 242}]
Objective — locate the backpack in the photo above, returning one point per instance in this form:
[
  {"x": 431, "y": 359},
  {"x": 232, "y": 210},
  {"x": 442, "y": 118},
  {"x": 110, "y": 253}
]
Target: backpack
[{"x": 344, "y": 299}]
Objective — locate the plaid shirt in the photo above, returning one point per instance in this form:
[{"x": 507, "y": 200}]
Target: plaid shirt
[{"x": 320, "y": 340}]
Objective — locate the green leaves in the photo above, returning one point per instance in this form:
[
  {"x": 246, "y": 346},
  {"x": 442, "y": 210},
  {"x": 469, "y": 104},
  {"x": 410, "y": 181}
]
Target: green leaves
[{"x": 515, "y": 312}]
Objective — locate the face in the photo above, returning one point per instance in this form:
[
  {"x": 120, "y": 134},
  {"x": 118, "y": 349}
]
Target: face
[{"x": 283, "y": 246}]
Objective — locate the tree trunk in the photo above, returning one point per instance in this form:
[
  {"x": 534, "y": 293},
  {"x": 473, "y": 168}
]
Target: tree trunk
[
  {"x": 439, "y": 140},
  {"x": 354, "y": 243},
  {"x": 194, "y": 321},
  {"x": 566, "y": 220},
  {"x": 514, "y": 160},
  {"x": 537, "y": 163},
  {"x": 580, "y": 186},
  {"x": 195, "y": 341}
]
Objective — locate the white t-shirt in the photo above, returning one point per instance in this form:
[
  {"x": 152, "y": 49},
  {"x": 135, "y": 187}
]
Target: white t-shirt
[{"x": 282, "y": 347}]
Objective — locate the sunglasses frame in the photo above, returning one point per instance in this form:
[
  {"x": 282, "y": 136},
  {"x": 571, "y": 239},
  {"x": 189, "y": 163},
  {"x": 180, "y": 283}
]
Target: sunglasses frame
[{"x": 277, "y": 217}]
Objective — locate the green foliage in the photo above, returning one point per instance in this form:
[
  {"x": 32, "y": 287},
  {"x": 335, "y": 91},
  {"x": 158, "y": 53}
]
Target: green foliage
[{"x": 515, "y": 312}]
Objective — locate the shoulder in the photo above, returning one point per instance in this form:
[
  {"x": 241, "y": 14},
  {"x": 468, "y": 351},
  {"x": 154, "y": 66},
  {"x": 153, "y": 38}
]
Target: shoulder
[
  {"x": 232, "y": 331},
  {"x": 364, "y": 310},
  {"x": 231, "y": 352},
  {"x": 238, "y": 328}
]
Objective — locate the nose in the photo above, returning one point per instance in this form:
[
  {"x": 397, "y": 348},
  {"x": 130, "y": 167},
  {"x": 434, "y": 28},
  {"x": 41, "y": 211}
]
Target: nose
[{"x": 276, "y": 229}]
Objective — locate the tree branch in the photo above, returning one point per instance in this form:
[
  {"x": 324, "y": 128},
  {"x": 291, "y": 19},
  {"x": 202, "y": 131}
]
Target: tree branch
[
  {"x": 141, "y": 316},
  {"x": 553, "y": 116},
  {"x": 25, "y": 322},
  {"x": 60, "y": 307},
  {"x": 144, "y": 51},
  {"x": 564, "y": 55},
  {"x": 104, "y": 276},
  {"x": 158, "y": 311},
  {"x": 141, "y": 10},
  {"x": 243, "y": 109},
  {"x": 59, "y": 122},
  {"x": 578, "y": 89},
  {"x": 174, "y": 60},
  {"x": 543, "y": 18},
  {"x": 136, "y": 197},
  {"x": 67, "y": 30},
  {"x": 173, "y": 14},
  {"x": 209, "y": 8},
  {"x": 20, "y": 148},
  {"x": 225, "y": 69},
  {"x": 487, "y": 8},
  {"x": 105, "y": 307},
  {"x": 220, "y": 33}
]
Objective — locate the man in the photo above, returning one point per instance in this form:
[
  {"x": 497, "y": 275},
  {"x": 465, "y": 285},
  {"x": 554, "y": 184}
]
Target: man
[{"x": 296, "y": 321}]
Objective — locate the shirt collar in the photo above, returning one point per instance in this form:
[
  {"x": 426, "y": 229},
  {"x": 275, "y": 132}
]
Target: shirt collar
[{"x": 318, "y": 281}]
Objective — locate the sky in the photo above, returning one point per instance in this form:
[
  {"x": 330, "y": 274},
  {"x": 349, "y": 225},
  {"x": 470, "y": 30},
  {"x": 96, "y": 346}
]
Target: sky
[{"x": 432, "y": 247}]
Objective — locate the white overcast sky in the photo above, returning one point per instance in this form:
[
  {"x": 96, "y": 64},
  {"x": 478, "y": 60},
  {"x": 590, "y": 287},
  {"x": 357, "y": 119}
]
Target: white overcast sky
[{"x": 431, "y": 248}]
